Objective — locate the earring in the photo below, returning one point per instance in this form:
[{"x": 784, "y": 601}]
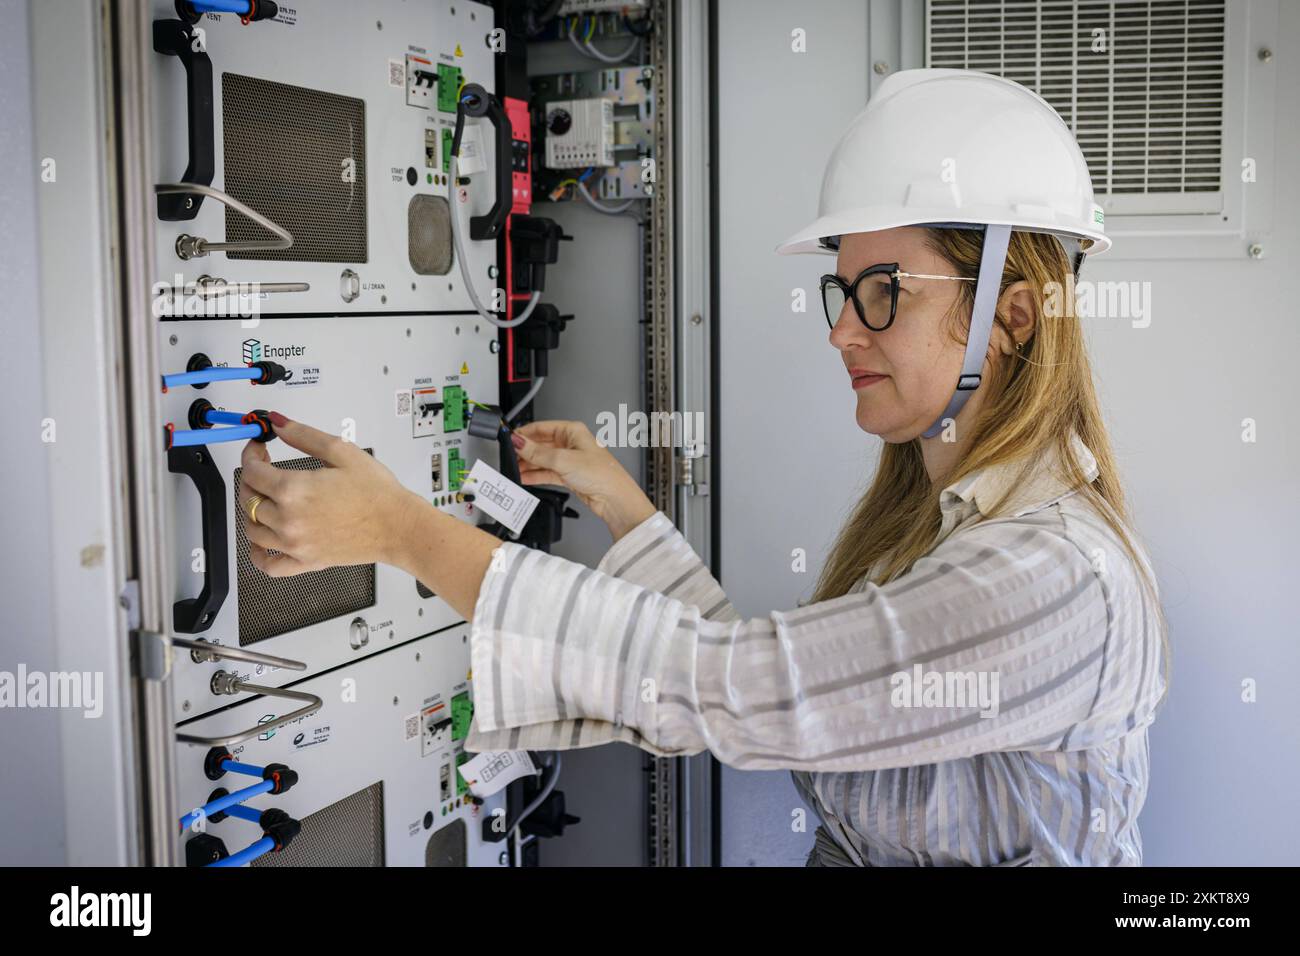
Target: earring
[{"x": 1019, "y": 346}]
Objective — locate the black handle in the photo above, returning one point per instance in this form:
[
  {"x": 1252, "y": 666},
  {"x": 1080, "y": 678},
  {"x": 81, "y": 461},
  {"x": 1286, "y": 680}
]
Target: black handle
[
  {"x": 176, "y": 38},
  {"x": 483, "y": 103},
  {"x": 193, "y": 615}
]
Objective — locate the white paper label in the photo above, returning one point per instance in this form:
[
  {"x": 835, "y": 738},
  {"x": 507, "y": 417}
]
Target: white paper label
[
  {"x": 499, "y": 497},
  {"x": 487, "y": 773}
]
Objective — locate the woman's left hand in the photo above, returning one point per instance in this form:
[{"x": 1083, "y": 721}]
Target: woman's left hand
[{"x": 349, "y": 512}]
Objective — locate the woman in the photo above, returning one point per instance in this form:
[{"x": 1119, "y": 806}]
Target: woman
[{"x": 974, "y": 680}]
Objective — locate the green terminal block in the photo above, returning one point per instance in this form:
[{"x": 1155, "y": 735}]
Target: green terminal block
[
  {"x": 448, "y": 87},
  {"x": 462, "y": 787},
  {"x": 455, "y": 465},
  {"x": 448, "y": 137},
  {"x": 462, "y": 711},
  {"x": 453, "y": 408}
]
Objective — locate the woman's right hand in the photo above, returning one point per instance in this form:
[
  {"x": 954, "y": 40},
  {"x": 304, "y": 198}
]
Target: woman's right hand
[{"x": 567, "y": 454}]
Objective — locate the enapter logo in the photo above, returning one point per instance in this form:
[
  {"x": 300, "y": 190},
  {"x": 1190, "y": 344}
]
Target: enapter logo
[{"x": 256, "y": 351}]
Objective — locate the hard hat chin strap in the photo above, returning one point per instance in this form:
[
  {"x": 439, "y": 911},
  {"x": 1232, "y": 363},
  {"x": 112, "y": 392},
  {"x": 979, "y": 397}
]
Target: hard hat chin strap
[{"x": 992, "y": 259}]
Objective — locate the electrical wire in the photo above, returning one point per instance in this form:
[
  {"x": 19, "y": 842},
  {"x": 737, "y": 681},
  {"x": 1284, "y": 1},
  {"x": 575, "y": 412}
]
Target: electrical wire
[
  {"x": 599, "y": 206},
  {"x": 458, "y": 242},
  {"x": 586, "y": 49},
  {"x": 535, "y": 24},
  {"x": 541, "y": 796},
  {"x": 528, "y": 397}
]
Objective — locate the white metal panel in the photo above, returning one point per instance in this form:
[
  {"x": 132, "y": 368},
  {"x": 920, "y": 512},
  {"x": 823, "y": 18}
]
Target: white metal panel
[
  {"x": 362, "y": 363},
  {"x": 362, "y": 736},
  {"x": 340, "y": 48}
]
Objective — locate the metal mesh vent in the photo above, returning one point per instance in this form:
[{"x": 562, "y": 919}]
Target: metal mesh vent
[
  {"x": 269, "y": 607},
  {"x": 428, "y": 235},
  {"x": 298, "y": 157},
  {"x": 347, "y": 833},
  {"x": 1139, "y": 83},
  {"x": 447, "y": 847}
]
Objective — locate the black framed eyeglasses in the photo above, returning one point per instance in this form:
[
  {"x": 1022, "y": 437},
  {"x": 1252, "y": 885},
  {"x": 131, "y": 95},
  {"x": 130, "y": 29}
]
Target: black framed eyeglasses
[{"x": 874, "y": 293}]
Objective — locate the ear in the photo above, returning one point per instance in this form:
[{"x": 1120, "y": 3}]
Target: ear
[{"x": 1016, "y": 310}]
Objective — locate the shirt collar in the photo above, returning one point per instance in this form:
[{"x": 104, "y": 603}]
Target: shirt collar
[{"x": 1044, "y": 484}]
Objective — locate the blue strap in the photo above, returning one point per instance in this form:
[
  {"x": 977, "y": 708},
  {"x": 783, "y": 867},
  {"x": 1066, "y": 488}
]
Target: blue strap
[{"x": 992, "y": 258}]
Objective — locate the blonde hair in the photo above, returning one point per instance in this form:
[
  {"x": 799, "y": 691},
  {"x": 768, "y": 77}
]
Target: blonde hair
[{"x": 1034, "y": 402}]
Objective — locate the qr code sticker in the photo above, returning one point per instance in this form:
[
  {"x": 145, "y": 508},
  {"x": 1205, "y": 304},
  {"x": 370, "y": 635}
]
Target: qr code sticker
[
  {"x": 396, "y": 73},
  {"x": 412, "y": 726},
  {"x": 403, "y": 402}
]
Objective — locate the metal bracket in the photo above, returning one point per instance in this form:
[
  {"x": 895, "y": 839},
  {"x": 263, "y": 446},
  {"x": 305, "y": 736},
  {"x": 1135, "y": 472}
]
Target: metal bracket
[{"x": 151, "y": 655}]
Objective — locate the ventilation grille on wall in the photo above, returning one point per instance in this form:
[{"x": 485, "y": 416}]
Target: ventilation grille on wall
[
  {"x": 269, "y": 607},
  {"x": 297, "y": 156},
  {"x": 349, "y": 832},
  {"x": 1140, "y": 82}
]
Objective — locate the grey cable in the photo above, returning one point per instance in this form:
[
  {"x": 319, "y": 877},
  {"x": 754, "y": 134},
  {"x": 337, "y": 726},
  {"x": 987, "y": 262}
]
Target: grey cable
[
  {"x": 528, "y": 397},
  {"x": 599, "y": 206},
  {"x": 458, "y": 243},
  {"x": 586, "y": 49},
  {"x": 537, "y": 800}
]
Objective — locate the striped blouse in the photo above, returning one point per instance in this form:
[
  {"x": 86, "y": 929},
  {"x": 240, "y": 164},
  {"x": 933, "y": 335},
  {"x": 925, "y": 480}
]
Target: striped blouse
[{"x": 988, "y": 707}]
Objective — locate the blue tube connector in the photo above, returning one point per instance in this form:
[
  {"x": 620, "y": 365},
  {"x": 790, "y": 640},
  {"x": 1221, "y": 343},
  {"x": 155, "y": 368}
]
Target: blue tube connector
[
  {"x": 248, "y": 854},
  {"x": 225, "y": 803},
  {"x": 213, "y": 374}
]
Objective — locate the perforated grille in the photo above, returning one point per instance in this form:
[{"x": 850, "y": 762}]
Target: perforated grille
[
  {"x": 269, "y": 607},
  {"x": 447, "y": 846},
  {"x": 1140, "y": 82},
  {"x": 347, "y": 833},
  {"x": 298, "y": 157},
  {"x": 428, "y": 235}
]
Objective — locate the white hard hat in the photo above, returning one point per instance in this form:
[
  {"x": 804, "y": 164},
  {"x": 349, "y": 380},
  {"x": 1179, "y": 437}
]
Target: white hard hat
[
  {"x": 954, "y": 146},
  {"x": 966, "y": 149}
]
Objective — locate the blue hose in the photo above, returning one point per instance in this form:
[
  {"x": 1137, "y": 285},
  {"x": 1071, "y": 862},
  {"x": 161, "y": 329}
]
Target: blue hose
[
  {"x": 224, "y": 803},
  {"x": 213, "y": 374},
  {"x": 220, "y": 6},
  {"x": 234, "y": 766},
  {"x": 248, "y": 854},
  {"x": 245, "y": 813},
  {"x": 215, "y": 417},
  {"x": 210, "y": 436}
]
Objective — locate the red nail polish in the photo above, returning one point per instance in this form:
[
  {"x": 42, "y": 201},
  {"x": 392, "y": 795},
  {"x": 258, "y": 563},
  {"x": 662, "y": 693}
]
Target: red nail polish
[
  {"x": 517, "y": 440},
  {"x": 277, "y": 419}
]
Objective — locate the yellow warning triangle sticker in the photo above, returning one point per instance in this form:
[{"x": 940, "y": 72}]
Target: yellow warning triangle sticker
[
  {"x": 459, "y": 51},
  {"x": 464, "y": 368}
]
